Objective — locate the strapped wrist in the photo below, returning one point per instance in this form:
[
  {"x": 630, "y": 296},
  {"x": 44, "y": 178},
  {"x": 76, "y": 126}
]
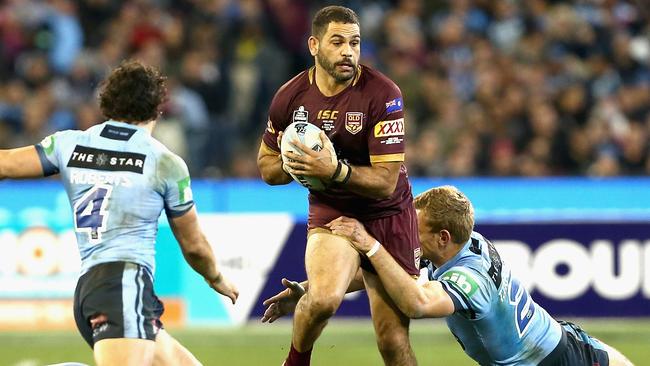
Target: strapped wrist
[
  {"x": 337, "y": 172},
  {"x": 342, "y": 173},
  {"x": 375, "y": 248},
  {"x": 348, "y": 174}
]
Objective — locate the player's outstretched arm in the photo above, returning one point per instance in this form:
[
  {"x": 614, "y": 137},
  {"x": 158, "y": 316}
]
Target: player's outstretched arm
[
  {"x": 269, "y": 162},
  {"x": 285, "y": 301},
  {"x": 198, "y": 253},
  {"x": 20, "y": 163},
  {"x": 416, "y": 301}
]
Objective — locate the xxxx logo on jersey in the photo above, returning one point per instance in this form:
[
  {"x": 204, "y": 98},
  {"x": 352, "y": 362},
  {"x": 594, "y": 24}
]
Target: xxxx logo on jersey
[{"x": 390, "y": 128}]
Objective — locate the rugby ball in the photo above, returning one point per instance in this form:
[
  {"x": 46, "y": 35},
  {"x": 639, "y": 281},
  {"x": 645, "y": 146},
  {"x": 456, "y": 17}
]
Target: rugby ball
[{"x": 309, "y": 135}]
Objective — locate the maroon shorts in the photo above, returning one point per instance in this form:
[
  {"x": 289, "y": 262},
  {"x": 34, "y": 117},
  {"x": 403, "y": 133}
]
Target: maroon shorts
[{"x": 398, "y": 234}]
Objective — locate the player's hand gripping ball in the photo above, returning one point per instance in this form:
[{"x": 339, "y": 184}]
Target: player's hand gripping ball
[{"x": 309, "y": 135}]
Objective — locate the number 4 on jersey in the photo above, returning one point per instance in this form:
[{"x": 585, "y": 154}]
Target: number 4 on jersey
[{"x": 90, "y": 214}]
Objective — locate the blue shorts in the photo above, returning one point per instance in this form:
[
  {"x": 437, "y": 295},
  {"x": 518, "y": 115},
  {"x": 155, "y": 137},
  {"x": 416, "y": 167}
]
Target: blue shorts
[
  {"x": 116, "y": 300},
  {"x": 577, "y": 348}
]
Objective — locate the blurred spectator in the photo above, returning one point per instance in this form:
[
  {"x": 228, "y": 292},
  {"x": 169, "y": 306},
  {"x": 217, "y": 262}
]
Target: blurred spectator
[
  {"x": 66, "y": 35},
  {"x": 503, "y": 88}
]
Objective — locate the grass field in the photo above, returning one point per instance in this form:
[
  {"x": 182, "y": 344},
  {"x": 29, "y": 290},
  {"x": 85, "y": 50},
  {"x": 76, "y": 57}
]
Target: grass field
[{"x": 343, "y": 343}]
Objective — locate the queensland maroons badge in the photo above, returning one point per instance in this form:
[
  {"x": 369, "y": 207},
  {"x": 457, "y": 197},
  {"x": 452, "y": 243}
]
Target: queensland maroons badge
[{"x": 353, "y": 122}]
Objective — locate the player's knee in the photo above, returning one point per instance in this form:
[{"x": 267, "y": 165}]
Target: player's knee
[
  {"x": 391, "y": 332},
  {"x": 392, "y": 341},
  {"x": 395, "y": 351},
  {"x": 323, "y": 306}
]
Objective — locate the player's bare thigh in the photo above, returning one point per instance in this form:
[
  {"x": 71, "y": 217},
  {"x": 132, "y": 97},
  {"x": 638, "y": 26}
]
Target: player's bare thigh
[
  {"x": 391, "y": 325},
  {"x": 169, "y": 352},
  {"x": 124, "y": 352},
  {"x": 331, "y": 263}
]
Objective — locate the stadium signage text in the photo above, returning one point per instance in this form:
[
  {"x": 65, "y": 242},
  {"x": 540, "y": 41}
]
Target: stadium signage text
[{"x": 564, "y": 269}]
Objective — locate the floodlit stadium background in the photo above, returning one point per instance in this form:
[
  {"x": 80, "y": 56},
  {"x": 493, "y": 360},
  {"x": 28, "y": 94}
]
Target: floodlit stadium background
[{"x": 538, "y": 110}]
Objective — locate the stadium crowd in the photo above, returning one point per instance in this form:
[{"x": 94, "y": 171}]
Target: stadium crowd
[{"x": 494, "y": 88}]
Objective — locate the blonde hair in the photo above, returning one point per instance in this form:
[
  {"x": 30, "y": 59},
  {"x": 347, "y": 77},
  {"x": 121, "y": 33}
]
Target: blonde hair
[{"x": 447, "y": 208}]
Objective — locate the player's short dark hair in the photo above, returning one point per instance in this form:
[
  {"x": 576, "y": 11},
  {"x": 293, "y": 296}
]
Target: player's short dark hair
[
  {"x": 329, "y": 14},
  {"x": 133, "y": 92}
]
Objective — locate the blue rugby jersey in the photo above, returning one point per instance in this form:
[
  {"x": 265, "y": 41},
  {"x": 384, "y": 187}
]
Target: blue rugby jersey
[
  {"x": 118, "y": 179},
  {"x": 495, "y": 319}
]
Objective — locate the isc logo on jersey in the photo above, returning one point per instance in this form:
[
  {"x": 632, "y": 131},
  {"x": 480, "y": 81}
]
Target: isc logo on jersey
[{"x": 390, "y": 128}]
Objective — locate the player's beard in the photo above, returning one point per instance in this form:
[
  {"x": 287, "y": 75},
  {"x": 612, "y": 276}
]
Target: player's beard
[{"x": 331, "y": 69}]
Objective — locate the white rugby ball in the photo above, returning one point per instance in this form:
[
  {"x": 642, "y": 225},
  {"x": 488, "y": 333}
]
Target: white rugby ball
[{"x": 309, "y": 135}]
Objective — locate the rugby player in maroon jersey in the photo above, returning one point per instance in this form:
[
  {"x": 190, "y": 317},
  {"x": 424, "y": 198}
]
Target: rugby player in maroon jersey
[{"x": 361, "y": 112}]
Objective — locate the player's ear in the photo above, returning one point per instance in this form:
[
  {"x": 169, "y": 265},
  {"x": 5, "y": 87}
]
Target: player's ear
[
  {"x": 445, "y": 236},
  {"x": 313, "y": 44}
]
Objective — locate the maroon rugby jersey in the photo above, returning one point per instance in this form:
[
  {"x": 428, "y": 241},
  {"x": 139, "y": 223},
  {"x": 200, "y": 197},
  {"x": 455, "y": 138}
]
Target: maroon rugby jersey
[{"x": 365, "y": 123}]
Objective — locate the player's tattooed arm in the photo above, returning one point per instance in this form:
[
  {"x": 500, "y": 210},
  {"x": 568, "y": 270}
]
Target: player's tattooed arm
[
  {"x": 269, "y": 162},
  {"x": 376, "y": 181}
]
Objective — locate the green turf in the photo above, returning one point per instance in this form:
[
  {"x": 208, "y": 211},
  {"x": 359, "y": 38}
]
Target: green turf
[{"x": 342, "y": 343}]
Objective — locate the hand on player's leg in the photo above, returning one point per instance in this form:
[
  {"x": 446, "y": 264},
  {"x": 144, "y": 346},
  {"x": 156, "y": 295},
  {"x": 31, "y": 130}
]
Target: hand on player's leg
[
  {"x": 284, "y": 302},
  {"x": 354, "y": 231}
]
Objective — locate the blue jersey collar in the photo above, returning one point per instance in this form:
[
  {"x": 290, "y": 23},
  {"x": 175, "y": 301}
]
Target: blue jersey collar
[
  {"x": 126, "y": 125},
  {"x": 452, "y": 262}
]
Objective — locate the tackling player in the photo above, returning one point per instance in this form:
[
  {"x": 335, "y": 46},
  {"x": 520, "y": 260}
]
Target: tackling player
[
  {"x": 487, "y": 309},
  {"x": 361, "y": 111},
  {"x": 118, "y": 179}
]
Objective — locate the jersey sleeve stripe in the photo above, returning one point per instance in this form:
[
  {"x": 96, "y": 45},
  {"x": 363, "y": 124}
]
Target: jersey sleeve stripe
[
  {"x": 46, "y": 164},
  {"x": 387, "y": 158},
  {"x": 457, "y": 295},
  {"x": 452, "y": 287},
  {"x": 173, "y": 213},
  {"x": 458, "y": 305},
  {"x": 268, "y": 149}
]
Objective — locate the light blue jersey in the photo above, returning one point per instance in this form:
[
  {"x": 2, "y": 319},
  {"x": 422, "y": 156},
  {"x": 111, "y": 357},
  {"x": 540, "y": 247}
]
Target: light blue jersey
[
  {"x": 118, "y": 179},
  {"x": 495, "y": 319}
]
